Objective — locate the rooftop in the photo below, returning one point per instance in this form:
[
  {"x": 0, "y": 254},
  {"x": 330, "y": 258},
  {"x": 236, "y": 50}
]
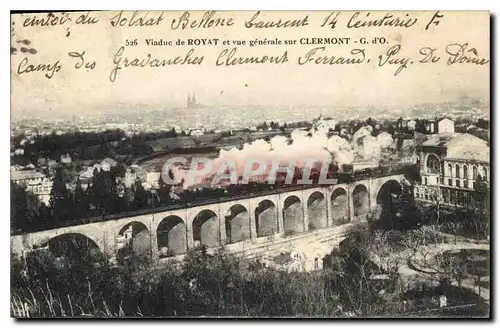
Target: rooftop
[
  {"x": 475, "y": 154},
  {"x": 451, "y": 139},
  {"x": 25, "y": 175},
  {"x": 463, "y": 146}
]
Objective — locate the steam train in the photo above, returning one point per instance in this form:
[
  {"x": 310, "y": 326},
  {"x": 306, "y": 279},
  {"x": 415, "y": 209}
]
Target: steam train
[{"x": 347, "y": 174}]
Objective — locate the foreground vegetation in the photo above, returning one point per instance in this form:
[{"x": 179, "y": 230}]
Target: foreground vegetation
[{"x": 351, "y": 284}]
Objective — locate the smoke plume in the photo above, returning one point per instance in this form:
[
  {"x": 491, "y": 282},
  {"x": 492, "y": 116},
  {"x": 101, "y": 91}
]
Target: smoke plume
[{"x": 314, "y": 145}]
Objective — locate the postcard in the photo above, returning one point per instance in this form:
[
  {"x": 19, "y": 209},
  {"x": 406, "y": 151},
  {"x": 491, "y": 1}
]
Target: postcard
[{"x": 255, "y": 164}]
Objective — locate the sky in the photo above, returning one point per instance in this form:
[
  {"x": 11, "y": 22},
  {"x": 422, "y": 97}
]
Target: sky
[{"x": 86, "y": 91}]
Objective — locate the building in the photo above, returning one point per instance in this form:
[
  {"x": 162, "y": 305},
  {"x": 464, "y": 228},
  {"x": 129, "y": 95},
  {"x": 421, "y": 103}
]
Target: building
[
  {"x": 450, "y": 165},
  {"x": 445, "y": 125},
  {"x": 430, "y": 126},
  {"x": 401, "y": 124},
  {"x": 479, "y": 132},
  {"x": 128, "y": 179},
  {"x": 34, "y": 182},
  {"x": 196, "y": 133},
  {"x": 66, "y": 159},
  {"x": 411, "y": 124},
  {"x": 191, "y": 102},
  {"x": 107, "y": 164},
  {"x": 324, "y": 124},
  {"x": 88, "y": 173},
  {"x": 152, "y": 180},
  {"x": 51, "y": 164}
]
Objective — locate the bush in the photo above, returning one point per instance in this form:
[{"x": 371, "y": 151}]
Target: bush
[
  {"x": 201, "y": 285},
  {"x": 206, "y": 284}
]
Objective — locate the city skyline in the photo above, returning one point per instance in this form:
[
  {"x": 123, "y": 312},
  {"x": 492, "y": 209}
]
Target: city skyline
[{"x": 455, "y": 108}]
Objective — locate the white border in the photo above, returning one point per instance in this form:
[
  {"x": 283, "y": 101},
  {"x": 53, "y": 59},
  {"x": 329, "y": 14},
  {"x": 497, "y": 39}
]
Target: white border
[{"x": 5, "y": 320}]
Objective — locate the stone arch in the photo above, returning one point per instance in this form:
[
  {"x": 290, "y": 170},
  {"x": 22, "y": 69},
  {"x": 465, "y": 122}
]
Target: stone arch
[
  {"x": 387, "y": 194},
  {"x": 171, "y": 236},
  {"x": 316, "y": 210},
  {"x": 266, "y": 218},
  {"x": 237, "y": 224},
  {"x": 206, "y": 228},
  {"x": 134, "y": 239},
  {"x": 466, "y": 171},
  {"x": 76, "y": 249},
  {"x": 361, "y": 200},
  {"x": 432, "y": 163},
  {"x": 293, "y": 215},
  {"x": 41, "y": 238},
  {"x": 340, "y": 206}
]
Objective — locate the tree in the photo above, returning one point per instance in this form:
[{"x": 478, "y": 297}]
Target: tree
[
  {"x": 483, "y": 124},
  {"x": 164, "y": 190},
  {"x": 383, "y": 250},
  {"x": 360, "y": 283},
  {"x": 356, "y": 284},
  {"x": 420, "y": 126},
  {"x": 412, "y": 240},
  {"x": 448, "y": 267},
  {"x": 118, "y": 170},
  {"x": 437, "y": 200},
  {"x": 399, "y": 212},
  {"x": 20, "y": 214},
  {"x": 94, "y": 189},
  {"x": 424, "y": 252},
  {"x": 43, "y": 214},
  {"x": 140, "y": 196},
  {"x": 81, "y": 205},
  {"x": 60, "y": 202},
  {"x": 453, "y": 227},
  {"x": 481, "y": 207},
  {"x": 104, "y": 192},
  {"x": 429, "y": 233}
]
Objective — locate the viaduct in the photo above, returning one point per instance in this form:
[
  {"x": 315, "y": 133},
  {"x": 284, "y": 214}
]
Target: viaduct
[{"x": 242, "y": 223}]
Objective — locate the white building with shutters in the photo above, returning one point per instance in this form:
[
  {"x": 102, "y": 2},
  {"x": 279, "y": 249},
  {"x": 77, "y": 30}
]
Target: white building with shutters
[{"x": 450, "y": 166}]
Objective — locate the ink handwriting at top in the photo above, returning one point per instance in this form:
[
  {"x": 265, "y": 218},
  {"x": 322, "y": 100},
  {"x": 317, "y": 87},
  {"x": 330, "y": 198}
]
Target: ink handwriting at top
[
  {"x": 255, "y": 22},
  {"x": 457, "y": 54},
  {"x": 81, "y": 61},
  {"x": 136, "y": 19},
  {"x": 50, "y": 70},
  {"x": 388, "y": 20},
  {"x": 391, "y": 58},
  {"x": 434, "y": 20},
  {"x": 208, "y": 20},
  {"x": 56, "y": 19},
  {"x": 463, "y": 54},
  {"x": 50, "y": 19},
  {"x": 357, "y": 21}
]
